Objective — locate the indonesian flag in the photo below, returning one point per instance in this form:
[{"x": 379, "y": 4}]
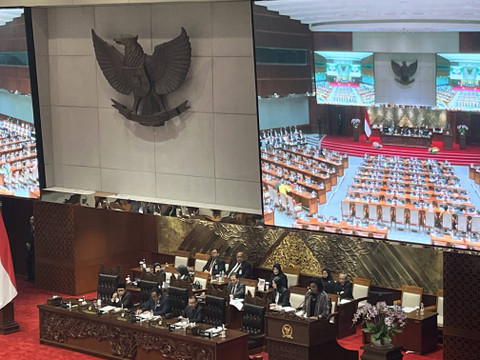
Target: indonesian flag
[
  {"x": 368, "y": 128},
  {"x": 7, "y": 276}
]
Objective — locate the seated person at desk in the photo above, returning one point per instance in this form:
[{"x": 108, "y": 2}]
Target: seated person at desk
[
  {"x": 343, "y": 287},
  {"x": 280, "y": 294},
  {"x": 157, "y": 304},
  {"x": 183, "y": 273},
  {"x": 241, "y": 267},
  {"x": 157, "y": 269},
  {"x": 328, "y": 282},
  {"x": 236, "y": 288},
  {"x": 122, "y": 297},
  {"x": 317, "y": 303},
  {"x": 215, "y": 265},
  {"x": 277, "y": 272},
  {"x": 193, "y": 311}
]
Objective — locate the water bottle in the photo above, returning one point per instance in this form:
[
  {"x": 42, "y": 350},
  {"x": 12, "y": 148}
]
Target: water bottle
[{"x": 422, "y": 309}]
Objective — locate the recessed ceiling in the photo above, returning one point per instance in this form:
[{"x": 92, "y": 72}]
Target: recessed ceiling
[
  {"x": 7, "y": 15},
  {"x": 381, "y": 15}
]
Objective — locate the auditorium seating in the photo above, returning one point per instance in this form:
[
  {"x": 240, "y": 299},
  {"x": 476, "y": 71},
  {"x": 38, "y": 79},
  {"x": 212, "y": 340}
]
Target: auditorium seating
[
  {"x": 146, "y": 288},
  {"x": 200, "y": 261},
  {"x": 292, "y": 274},
  {"x": 297, "y": 295},
  {"x": 178, "y": 300},
  {"x": 215, "y": 310},
  {"x": 108, "y": 280},
  {"x": 411, "y": 296},
  {"x": 360, "y": 288},
  {"x": 250, "y": 286},
  {"x": 181, "y": 258},
  {"x": 201, "y": 278},
  {"x": 253, "y": 323}
]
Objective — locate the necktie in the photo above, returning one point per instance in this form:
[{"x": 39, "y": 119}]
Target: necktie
[
  {"x": 211, "y": 266},
  {"x": 235, "y": 268}
]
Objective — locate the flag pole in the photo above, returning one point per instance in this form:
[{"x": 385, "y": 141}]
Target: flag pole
[{"x": 8, "y": 324}]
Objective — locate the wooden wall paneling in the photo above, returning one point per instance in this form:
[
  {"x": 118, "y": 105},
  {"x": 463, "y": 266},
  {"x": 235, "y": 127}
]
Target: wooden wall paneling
[
  {"x": 111, "y": 238},
  {"x": 278, "y": 31},
  {"x": 13, "y": 35},
  {"x": 461, "y": 331},
  {"x": 333, "y": 41},
  {"x": 16, "y": 214},
  {"x": 283, "y": 40},
  {"x": 272, "y": 21},
  {"x": 54, "y": 247},
  {"x": 469, "y": 42}
]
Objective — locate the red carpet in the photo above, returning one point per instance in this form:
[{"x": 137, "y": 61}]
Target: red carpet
[
  {"x": 25, "y": 343},
  {"x": 345, "y": 144}
]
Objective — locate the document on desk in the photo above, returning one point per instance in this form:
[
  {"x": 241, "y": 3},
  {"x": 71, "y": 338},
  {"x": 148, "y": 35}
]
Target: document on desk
[
  {"x": 408, "y": 309},
  {"x": 107, "y": 308},
  {"x": 288, "y": 309},
  {"x": 238, "y": 303}
]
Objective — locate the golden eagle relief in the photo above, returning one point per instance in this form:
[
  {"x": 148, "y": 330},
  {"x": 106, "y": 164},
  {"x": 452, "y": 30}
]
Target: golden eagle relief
[
  {"x": 148, "y": 77},
  {"x": 404, "y": 72}
]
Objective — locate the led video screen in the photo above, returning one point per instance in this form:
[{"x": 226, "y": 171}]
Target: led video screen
[
  {"x": 339, "y": 163},
  {"x": 19, "y": 166},
  {"x": 458, "y": 81},
  {"x": 344, "y": 78}
]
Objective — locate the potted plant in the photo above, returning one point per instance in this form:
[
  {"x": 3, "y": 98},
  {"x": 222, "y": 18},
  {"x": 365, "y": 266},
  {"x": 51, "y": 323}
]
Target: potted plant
[
  {"x": 462, "y": 129},
  {"x": 381, "y": 322},
  {"x": 356, "y": 132}
]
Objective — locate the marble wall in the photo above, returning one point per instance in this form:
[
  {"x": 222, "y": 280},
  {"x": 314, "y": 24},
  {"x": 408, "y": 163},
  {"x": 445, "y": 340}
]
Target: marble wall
[{"x": 208, "y": 155}]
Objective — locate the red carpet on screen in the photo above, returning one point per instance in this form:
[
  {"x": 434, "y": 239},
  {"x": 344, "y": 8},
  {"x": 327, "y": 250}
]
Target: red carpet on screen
[
  {"x": 346, "y": 145},
  {"x": 25, "y": 343}
]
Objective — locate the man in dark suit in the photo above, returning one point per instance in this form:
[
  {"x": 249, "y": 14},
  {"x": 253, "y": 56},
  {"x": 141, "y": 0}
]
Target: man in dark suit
[
  {"x": 241, "y": 267},
  {"x": 343, "y": 287},
  {"x": 193, "y": 311},
  {"x": 30, "y": 244},
  {"x": 122, "y": 298},
  {"x": 157, "y": 304},
  {"x": 215, "y": 265},
  {"x": 236, "y": 288}
]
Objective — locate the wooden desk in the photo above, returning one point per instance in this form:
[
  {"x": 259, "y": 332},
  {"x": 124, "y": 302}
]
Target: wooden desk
[
  {"x": 345, "y": 315},
  {"x": 291, "y": 337},
  {"x": 108, "y": 337},
  {"x": 420, "y": 333},
  {"x": 403, "y": 140}
]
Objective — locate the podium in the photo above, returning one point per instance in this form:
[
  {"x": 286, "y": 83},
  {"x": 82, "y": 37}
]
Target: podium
[
  {"x": 291, "y": 337},
  {"x": 8, "y": 324}
]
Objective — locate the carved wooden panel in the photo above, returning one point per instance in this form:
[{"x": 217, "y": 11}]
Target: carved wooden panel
[
  {"x": 54, "y": 247},
  {"x": 54, "y": 231},
  {"x": 283, "y": 351},
  {"x": 461, "y": 306},
  {"x": 124, "y": 341}
]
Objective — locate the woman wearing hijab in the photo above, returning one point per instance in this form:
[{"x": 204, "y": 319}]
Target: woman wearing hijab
[
  {"x": 327, "y": 280},
  {"x": 183, "y": 272},
  {"x": 277, "y": 272},
  {"x": 280, "y": 294}
]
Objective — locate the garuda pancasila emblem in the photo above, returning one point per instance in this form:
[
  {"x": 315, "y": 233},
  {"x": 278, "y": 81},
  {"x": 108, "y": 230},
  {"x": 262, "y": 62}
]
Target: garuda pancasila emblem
[
  {"x": 404, "y": 72},
  {"x": 148, "y": 77}
]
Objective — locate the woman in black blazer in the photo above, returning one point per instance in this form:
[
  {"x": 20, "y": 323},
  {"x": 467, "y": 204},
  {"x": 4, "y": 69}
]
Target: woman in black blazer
[
  {"x": 280, "y": 294},
  {"x": 277, "y": 272}
]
